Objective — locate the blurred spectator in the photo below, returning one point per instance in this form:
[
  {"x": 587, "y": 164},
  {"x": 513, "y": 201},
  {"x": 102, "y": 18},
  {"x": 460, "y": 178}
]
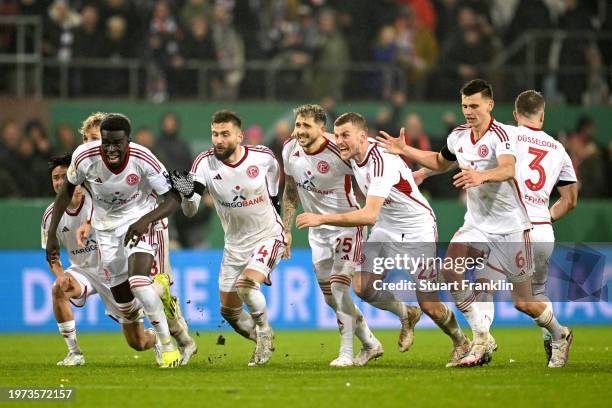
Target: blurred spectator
[
  {"x": 597, "y": 91},
  {"x": 465, "y": 55},
  {"x": 425, "y": 14},
  {"x": 331, "y": 49},
  {"x": 66, "y": 138},
  {"x": 10, "y": 139},
  {"x": 127, "y": 9},
  {"x": 36, "y": 131},
  {"x": 195, "y": 9},
  {"x": 173, "y": 151},
  {"x": 31, "y": 172},
  {"x": 587, "y": 159},
  {"x": 58, "y": 37},
  {"x": 117, "y": 46},
  {"x": 328, "y": 103},
  {"x": 282, "y": 133},
  {"x": 414, "y": 135},
  {"x": 144, "y": 137},
  {"x": 87, "y": 41},
  {"x": 254, "y": 135},
  {"x": 230, "y": 54},
  {"x": 9, "y": 144},
  {"x": 163, "y": 50},
  {"x": 198, "y": 45},
  {"x": 386, "y": 51},
  {"x": 574, "y": 51}
]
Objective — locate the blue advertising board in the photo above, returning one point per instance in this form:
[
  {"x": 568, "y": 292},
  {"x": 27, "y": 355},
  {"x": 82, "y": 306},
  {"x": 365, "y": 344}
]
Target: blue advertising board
[{"x": 294, "y": 299}]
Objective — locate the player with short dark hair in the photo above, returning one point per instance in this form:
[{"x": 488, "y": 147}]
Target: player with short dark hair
[
  {"x": 122, "y": 176},
  {"x": 403, "y": 224},
  {"x": 496, "y": 221},
  {"x": 243, "y": 182},
  {"x": 317, "y": 177}
]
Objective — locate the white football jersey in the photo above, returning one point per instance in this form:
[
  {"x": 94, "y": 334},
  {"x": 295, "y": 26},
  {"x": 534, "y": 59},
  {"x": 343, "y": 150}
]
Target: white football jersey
[
  {"x": 495, "y": 208},
  {"x": 120, "y": 195},
  {"x": 540, "y": 164},
  {"x": 387, "y": 175},
  {"x": 242, "y": 194},
  {"x": 66, "y": 233},
  {"x": 323, "y": 179}
]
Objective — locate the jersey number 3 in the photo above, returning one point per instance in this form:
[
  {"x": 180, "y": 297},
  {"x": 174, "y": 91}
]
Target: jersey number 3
[{"x": 535, "y": 165}]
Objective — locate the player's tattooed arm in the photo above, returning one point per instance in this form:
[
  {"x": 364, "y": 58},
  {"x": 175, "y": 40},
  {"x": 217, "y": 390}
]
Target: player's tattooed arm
[
  {"x": 397, "y": 145},
  {"x": 62, "y": 200},
  {"x": 289, "y": 207}
]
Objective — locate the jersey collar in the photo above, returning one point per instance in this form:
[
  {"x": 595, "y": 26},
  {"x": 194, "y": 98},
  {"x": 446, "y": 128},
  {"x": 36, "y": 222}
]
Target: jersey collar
[
  {"x": 368, "y": 152},
  {"x": 239, "y": 162},
  {"x": 533, "y": 128},
  {"x": 120, "y": 168},
  {"x": 320, "y": 149},
  {"x": 472, "y": 132}
]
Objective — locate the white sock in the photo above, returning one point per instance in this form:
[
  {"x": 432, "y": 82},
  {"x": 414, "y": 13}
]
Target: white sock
[
  {"x": 472, "y": 312},
  {"x": 485, "y": 302},
  {"x": 240, "y": 320},
  {"x": 250, "y": 294},
  {"x": 362, "y": 331},
  {"x": 548, "y": 321},
  {"x": 543, "y": 298},
  {"x": 152, "y": 305},
  {"x": 68, "y": 331},
  {"x": 345, "y": 312},
  {"x": 448, "y": 324}
]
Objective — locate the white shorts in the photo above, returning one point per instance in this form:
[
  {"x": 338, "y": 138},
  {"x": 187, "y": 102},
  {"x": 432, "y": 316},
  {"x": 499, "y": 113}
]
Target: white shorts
[
  {"x": 335, "y": 252},
  {"x": 114, "y": 255},
  {"x": 414, "y": 246},
  {"x": 262, "y": 257},
  {"x": 91, "y": 282},
  {"x": 543, "y": 238},
  {"x": 509, "y": 256},
  {"x": 161, "y": 260}
]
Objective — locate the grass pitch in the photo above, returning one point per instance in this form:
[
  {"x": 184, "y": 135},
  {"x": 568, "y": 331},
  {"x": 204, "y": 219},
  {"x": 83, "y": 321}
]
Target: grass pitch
[{"x": 298, "y": 374}]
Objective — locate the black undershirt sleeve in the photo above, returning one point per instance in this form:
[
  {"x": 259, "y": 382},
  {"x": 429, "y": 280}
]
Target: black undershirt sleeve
[
  {"x": 447, "y": 154},
  {"x": 562, "y": 183}
]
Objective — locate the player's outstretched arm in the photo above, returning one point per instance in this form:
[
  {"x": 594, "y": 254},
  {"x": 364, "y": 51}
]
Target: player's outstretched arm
[
  {"x": 397, "y": 145},
  {"x": 567, "y": 201},
  {"x": 364, "y": 216},
  {"x": 172, "y": 200},
  {"x": 62, "y": 200},
  {"x": 471, "y": 178},
  {"x": 289, "y": 207}
]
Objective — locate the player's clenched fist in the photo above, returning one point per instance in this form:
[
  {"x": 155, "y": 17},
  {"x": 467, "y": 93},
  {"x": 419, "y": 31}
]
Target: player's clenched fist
[{"x": 306, "y": 220}]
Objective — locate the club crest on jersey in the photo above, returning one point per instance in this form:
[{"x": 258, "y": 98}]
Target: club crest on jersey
[
  {"x": 483, "y": 151},
  {"x": 132, "y": 179},
  {"x": 238, "y": 194},
  {"x": 252, "y": 171},
  {"x": 323, "y": 167}
]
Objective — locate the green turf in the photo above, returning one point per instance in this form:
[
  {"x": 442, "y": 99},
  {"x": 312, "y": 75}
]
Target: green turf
[{"x": 298, "y": 374}]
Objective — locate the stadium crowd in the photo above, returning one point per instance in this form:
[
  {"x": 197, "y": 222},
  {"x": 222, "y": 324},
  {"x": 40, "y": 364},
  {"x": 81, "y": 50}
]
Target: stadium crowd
[{"x": 436, "y": 44}]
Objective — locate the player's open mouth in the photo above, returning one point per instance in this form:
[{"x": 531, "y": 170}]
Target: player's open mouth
[{"x": 113, "y": 158}]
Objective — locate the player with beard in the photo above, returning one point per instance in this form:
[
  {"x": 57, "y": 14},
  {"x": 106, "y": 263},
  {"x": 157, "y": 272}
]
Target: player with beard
[
  {"x": 243, "y": 182},
  {"x": 320, "y": 180},
  {"x": 122, "y": 175}
]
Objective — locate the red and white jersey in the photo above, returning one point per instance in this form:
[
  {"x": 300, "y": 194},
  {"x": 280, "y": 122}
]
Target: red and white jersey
[
  {"x": 495, "y": 208},
  {"x": 120, "y": 195},
  {"x": 323, "y": 179},
  {"x": 540, "y": 164},
  {"x": 66, "y": 234},
  {"x": 387, "y": 175},
  {"x": 242, "y": 193}
]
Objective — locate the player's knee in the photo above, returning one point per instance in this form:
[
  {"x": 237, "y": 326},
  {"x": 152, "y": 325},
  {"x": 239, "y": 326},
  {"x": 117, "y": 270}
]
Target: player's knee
[
  {"x": 57, "y": 292},
  {"x": 538, "y": 288},
  {"x": 231, "y": 314},
  {"x": 434, "y": 310},
  {"x": 244, "y": 285}
]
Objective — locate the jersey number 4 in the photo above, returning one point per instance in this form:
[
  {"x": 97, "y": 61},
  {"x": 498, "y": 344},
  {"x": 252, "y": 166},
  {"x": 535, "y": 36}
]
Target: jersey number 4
[{"x": 535, "y": 165}]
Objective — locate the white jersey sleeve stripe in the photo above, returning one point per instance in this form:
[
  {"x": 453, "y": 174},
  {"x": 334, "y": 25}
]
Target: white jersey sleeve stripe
[
  {"x": 379, "y": 164},
  {"x": 81, "y": 158},
  {"x": 83, "y": 153}
]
